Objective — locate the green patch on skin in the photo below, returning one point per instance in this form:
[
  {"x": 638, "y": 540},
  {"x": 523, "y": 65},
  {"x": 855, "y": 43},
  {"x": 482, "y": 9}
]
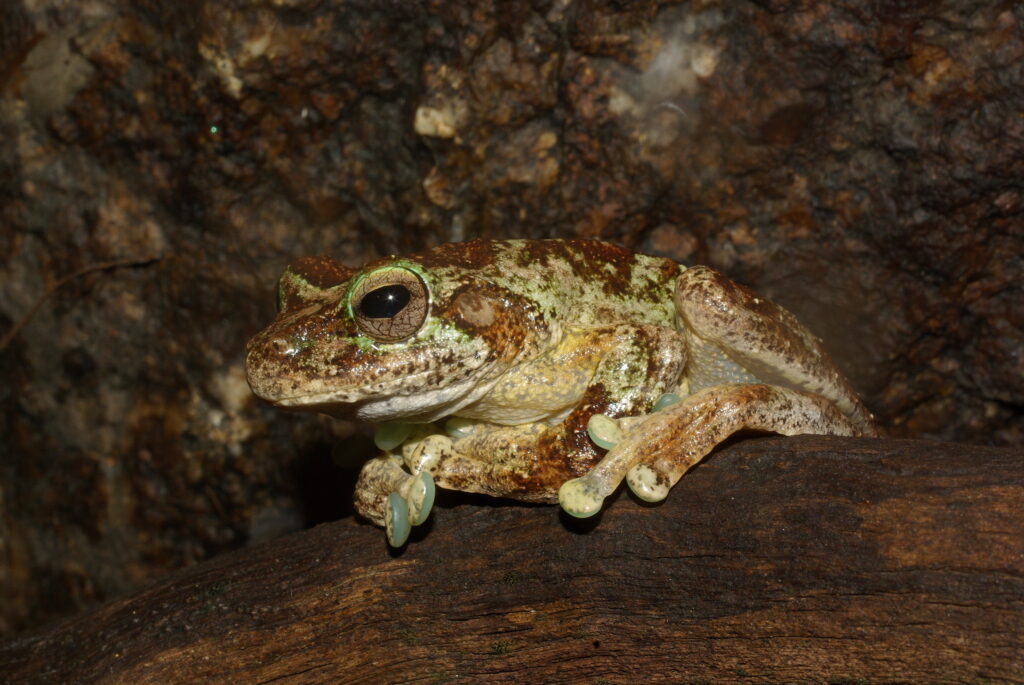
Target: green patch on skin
[
  {"x": 290, "y": 280},
  {"x": 443, "y": 331},
  {"x": 299, "y": 342},
  {"x": 366, "y": 344}
]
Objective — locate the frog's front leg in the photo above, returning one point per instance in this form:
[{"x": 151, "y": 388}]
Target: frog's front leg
[
  {"x": 657, "y": 450},
  {"x": 397, "y": 492},
  {"x": 530, "y": 461},
  {"x": 500, "y": 461}
]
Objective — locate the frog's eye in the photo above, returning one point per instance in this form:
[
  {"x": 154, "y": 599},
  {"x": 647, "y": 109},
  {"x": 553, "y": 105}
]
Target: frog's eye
[{"x": 390, "y": 304}]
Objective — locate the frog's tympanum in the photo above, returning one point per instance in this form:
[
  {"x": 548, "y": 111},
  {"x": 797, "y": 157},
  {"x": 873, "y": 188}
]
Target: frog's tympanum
[{"x": 543, "y": 371}]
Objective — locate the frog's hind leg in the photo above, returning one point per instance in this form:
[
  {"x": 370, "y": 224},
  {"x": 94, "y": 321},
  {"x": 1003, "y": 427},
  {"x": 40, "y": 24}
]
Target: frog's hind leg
[
  {"x": 734, "y": 336},
  {"x": 658, "y": 449}
]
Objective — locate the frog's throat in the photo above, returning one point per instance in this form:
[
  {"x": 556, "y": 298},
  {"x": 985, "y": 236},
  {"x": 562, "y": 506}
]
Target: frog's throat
[{"x": 426, "y": 405}]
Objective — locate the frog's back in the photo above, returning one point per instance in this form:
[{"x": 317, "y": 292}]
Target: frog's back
[{"x": 588, "y": 282}]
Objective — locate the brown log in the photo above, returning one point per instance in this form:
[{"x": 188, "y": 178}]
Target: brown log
[{"x": 777, "y": 560}]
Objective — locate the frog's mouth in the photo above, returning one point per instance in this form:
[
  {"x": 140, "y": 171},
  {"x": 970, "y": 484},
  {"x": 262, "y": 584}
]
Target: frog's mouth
[
  {"x": 415, "y": 397},
  {"x": 423, "y": 407}
]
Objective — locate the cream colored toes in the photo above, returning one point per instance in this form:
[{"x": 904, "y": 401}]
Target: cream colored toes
[
  {"x": 419, "y": 497},
  {"x": 581, "y": 497},
  {"x": 426, "y": 453},
  {"x": 647, "y": 483}
]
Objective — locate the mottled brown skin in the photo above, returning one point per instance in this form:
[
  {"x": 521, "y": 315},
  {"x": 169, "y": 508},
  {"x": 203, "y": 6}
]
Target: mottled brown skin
[
  {"x": 764, "y": 338},
  {"x": 526, "y": 341}
]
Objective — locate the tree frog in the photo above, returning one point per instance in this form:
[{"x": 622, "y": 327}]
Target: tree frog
[{"x": 540, "y": 370}]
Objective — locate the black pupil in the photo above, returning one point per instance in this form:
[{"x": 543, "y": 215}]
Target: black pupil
[{"x": 384, "y": 303}]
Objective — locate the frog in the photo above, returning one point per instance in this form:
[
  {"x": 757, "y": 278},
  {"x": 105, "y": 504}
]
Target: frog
[{"x": 540, "y": 370}]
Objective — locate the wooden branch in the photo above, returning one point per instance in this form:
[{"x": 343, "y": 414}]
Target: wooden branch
[{"x": 779, "y": 559}]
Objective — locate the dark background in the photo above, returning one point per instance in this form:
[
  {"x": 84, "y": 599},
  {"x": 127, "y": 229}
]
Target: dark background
[{"x": 861, "y": 163}]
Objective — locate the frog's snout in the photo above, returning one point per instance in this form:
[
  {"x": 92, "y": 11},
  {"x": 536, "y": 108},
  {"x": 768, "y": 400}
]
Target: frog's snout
[
  {"x": 265, "y": 356},
  {"x": 283, "y": 347}
]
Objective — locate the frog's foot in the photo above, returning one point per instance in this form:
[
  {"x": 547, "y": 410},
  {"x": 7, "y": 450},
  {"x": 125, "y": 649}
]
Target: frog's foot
[
  {"x": 379, "y": 477},
  {"x": 582, "y": 497},
  {"x": 658, "y": 449},
  {"x": 396, "y": 497},
  {"x": 391, "y": 497},
  {"x": 408, "y": 507}
]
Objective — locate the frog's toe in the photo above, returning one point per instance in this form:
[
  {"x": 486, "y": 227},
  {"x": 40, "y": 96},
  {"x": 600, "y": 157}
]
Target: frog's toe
[
  {"x": 666, "y": 400},
  {"x": 420, "y": 498},
  {"x": 391, "y": 434},
  {"x": 580, "y": 497},
  {"x": 604, "y": 431},
  {"x": 397, "y": 520},
  {"x": 647, "y": 484},
  {"x": 426, "y": 453}
]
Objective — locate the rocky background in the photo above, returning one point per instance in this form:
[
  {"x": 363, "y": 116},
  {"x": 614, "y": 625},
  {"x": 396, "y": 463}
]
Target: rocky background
[{"x": 860, "y": 163}]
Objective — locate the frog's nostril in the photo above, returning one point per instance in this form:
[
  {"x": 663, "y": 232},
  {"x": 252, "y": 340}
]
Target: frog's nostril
[{"x": 282, "y": 346}]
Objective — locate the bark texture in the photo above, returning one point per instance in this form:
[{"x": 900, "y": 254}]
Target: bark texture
[{"x": 808, "y": 559}]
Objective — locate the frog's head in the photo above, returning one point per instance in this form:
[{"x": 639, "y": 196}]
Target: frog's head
[{"x": 411, "y": 339}]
